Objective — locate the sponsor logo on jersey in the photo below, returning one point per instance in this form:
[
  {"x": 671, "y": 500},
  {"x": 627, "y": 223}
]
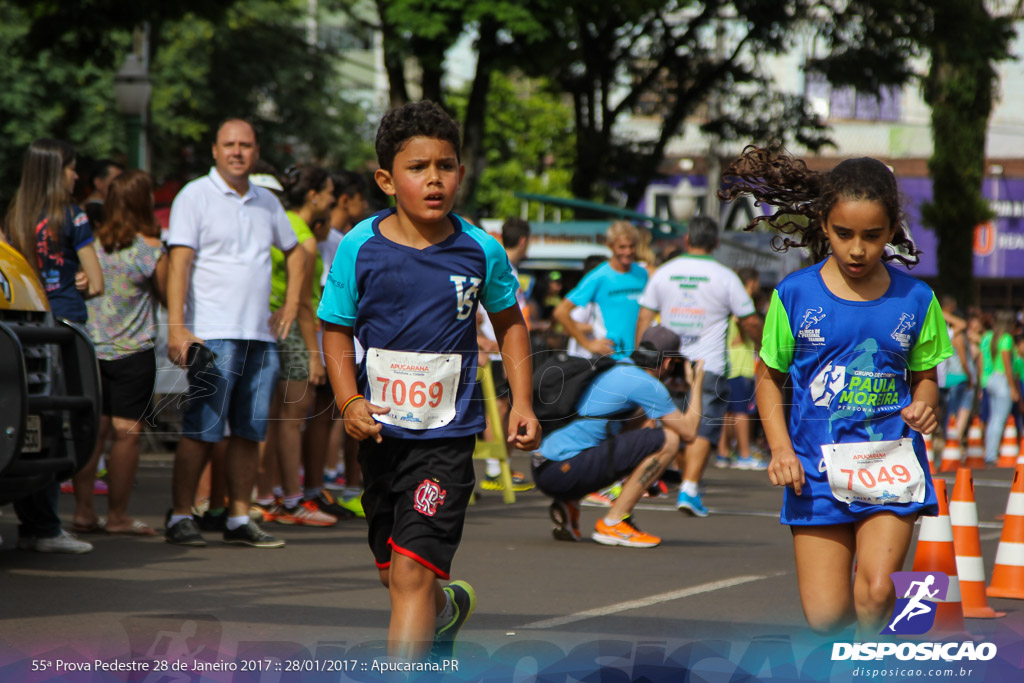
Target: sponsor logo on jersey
[
  {"x": 466, "y": 290},
  {"x": 907, "y": 323},
  {"x": 856, "y": 390},
  {"x": 809, "y": 329}
]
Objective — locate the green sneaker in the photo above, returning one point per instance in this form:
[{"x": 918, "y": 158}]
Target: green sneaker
[
  {"x": 353, "y": 505},
  {"x": 463, "y": 599}
]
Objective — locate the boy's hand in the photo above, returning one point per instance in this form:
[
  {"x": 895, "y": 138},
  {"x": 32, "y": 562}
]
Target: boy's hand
[
  {"x": 919, "y": 416},
  {"x": 785, "y": 470},
  {"x": 523, "y": 430},
  {"x": 359, "y": 422}
]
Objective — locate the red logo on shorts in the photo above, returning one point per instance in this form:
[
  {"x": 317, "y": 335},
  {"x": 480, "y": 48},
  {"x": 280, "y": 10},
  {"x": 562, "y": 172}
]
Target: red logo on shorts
[{"x": 428, "y": 496}]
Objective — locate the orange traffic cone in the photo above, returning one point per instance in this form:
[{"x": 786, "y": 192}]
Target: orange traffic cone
[
  {"x": 975, "y": 446},
  {"x": 929, "y": 452},
  {"x": 1009, "y": 449},
  {"x": 951, "y": 456},
  {"x": 1008, "y": 573},
  {"x": 935, "y": 553},
  {"x": 970, "y": 568}
]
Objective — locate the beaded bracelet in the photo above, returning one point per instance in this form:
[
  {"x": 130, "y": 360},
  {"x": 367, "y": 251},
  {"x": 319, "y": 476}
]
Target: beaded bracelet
[{"x": 348, "y": 403}]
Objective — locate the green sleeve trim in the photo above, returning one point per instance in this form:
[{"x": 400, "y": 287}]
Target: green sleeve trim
[
  {"x": 777, "y": 344},
  {"x": 933, "y": 345}
]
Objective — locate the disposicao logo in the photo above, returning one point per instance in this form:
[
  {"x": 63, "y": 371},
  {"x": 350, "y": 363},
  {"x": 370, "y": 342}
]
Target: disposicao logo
[{"x": 914, "y": 612}]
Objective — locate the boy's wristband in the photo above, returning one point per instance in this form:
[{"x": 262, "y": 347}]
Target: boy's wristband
[{"x": 348, "y": 403}]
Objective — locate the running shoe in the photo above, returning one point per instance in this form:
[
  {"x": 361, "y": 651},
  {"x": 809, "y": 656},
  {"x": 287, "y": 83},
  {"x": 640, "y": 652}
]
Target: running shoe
[
  {"x": 749, "y": 462},
  {"x": 566, "y": 516},
  {"x": 185, "y": 532},
  {"x": 604, "y": 497},
  {"x": 722, "y": 462},
  {"x": 305, "y": 513},
  {"x": 263, "y": 512},
  {"x": 334, "y": 483},
  {"x": 519, "y": 483},
  {"x": 326, "y": 502},
  {"x": 658, "y": 488},
  {"x": 61, "y": 543},
  {"x": 251, "y": 535},
  {"x": 625, "y": 533},
  {"x": 463, "y": 599},
  {"x": 99, "y": 487},
  {"x": 691, "y": 505},
  {"x": 353, "y": 504}
]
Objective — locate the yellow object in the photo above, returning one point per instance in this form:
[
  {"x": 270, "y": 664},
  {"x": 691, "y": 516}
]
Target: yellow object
[
  {"x": 495, "y": 446},
  {"x": 19, "y": 287}
]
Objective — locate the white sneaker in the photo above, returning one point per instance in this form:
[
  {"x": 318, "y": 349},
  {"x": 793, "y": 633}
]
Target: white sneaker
[{"x": 63, "y": 543}]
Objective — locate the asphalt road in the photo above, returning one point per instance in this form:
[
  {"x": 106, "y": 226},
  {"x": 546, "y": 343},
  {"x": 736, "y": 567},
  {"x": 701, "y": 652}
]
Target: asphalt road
[{"x": 717, "y": 598}]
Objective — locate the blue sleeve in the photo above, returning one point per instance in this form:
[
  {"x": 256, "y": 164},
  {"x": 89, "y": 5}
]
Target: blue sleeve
[
  {"x": 340, "y": 301},
  {"x": 586, "y": 291},
  {"x": 652, "y": 396},
  {"x": 500, "y": 285},
  {"x": 81, "y": 229}
]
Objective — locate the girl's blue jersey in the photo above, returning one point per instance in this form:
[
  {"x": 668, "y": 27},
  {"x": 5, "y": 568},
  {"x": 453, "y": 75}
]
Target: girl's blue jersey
[
  {"x": 418, "y": 302},
  {"x": 850, "y": 365}
]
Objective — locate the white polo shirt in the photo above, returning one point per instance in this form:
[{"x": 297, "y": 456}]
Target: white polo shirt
[
  {"x": 695, "y": 295},
  {"x": 229, "y": 293}
]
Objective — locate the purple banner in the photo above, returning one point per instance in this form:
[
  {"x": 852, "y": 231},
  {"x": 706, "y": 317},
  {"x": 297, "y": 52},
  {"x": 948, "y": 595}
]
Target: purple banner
[{"x": 998, "y": 244}]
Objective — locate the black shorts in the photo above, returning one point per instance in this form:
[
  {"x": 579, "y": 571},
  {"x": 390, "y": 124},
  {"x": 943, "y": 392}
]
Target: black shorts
[
  {"x": 597, "y": 467},
  {"x": 128, "y": 384},
  {"x": 415, "y": 495}
]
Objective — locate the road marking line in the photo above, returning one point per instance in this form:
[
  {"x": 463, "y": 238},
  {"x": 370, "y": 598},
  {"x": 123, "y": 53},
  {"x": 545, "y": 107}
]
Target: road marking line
[{"x": 648, "y": 601}]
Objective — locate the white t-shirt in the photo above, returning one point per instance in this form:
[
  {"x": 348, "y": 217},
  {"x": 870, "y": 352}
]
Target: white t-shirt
[
  {"x": 589, "y": 314},
  {"x": 484, "y": 325},
  {"x": 328, "y": 248},
  {"x": 695, "y": 295},
  {"x": 229, "y": 293}
]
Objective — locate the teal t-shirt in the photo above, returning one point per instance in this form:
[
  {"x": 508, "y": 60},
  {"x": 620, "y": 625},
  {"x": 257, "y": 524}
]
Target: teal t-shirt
[
  {"x": 279, "y": 270},
  {"x": 618, "y": 296}
]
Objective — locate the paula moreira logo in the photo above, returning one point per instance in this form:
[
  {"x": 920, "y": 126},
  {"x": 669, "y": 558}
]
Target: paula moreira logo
[{"x": 916, "y": 595}]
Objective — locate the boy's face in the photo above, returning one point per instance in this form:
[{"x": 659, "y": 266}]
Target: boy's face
[{"x": 423, "y": 179}]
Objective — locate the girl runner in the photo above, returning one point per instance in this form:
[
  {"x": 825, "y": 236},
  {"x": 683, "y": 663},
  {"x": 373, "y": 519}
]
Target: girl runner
[{"x": 856, "y": 341}]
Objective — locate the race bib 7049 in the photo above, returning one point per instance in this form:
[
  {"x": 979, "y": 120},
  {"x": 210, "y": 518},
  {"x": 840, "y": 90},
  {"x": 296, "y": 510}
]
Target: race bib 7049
[
  {"x": 875, "y": 472},
  {"x": 419, "y": 388}
]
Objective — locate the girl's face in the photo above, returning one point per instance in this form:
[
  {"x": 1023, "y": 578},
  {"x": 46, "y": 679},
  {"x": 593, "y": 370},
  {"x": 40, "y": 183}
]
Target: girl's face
[
  {"x": 858, "y": 230},
  {"x": 70, "y": 176},
  {"x": 322, "y": 201}
]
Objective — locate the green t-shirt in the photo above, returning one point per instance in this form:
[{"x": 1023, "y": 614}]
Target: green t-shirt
[
  {"x": 993, "y": 362},
  {"x": 279, "y": 272}
]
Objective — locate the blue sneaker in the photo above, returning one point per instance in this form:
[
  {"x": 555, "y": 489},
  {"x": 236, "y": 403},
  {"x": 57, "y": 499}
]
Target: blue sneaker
[
  {"x": 749, "y": 463},
  {"x": 463, "y": 599},
  {"x": 691, "y": 505}
]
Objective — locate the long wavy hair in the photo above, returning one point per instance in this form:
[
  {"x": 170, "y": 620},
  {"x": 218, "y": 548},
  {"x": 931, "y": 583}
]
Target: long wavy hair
[
  {"x": 42, "y": 195},
  {"x": 127, "y": 212},
  {"x": 803, "y": 198}
]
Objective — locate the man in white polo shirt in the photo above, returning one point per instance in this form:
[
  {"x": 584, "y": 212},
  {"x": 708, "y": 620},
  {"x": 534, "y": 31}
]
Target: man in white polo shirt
[
  {"x": 695, "y": 295},
  {"x": 221, "y": 232}
]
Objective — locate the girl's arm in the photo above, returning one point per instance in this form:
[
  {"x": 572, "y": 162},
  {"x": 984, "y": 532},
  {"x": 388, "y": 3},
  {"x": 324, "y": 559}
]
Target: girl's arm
[
  {"x": 785, "y": 468},
  {"x": 307, "y": 316},
  {"x": 514, "y": 341},
  {"x": 91, "y": 265},
  {"x": 1006, "y": 355},
  {"x": 924, "y": 398},
  {"x": 159, "y": 277},
  {"x": 340, "y": 355}
]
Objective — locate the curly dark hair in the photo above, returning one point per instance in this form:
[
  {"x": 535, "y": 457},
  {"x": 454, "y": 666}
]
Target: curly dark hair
[
  {"x": 803, "y": 198},
  {"x": 299, "y": 180},
  {"x": 414, "y": 119}
]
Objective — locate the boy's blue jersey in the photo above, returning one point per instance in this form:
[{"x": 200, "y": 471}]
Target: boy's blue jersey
[
  {"x": 850, "y": 365},
  {"x": 411, "y": 307},
  {"x": 618, "y": 296}
]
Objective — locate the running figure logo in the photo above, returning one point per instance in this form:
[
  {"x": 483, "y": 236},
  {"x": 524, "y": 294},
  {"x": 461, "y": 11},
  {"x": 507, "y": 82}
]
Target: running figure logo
[
  {"x": 916, "y": 595},
  {"x": 428, "y": 496}
]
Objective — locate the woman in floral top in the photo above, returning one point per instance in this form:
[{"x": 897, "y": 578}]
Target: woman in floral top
[{"x": 122, "y": 325}]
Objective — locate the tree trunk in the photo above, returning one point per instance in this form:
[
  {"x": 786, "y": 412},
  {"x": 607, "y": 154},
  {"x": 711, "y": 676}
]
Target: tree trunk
[
  {"x": 394, "y": 58},
  {"x": 473, "y": 153}
]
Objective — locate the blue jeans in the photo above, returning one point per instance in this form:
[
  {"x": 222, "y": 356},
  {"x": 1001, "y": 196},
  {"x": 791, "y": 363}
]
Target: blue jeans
[
  {"x": 235, "y": 392},
  {"x": 999, "y": 406}
]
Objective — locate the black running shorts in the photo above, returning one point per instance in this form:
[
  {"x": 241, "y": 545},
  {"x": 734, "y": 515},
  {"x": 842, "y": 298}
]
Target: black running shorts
[
  {"x": 128, "y": 384},
  {"x": 415, "y": 495}
]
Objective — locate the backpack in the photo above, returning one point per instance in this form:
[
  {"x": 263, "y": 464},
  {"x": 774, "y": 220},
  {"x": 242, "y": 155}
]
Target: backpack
[{"x": 559, "y": 384}]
